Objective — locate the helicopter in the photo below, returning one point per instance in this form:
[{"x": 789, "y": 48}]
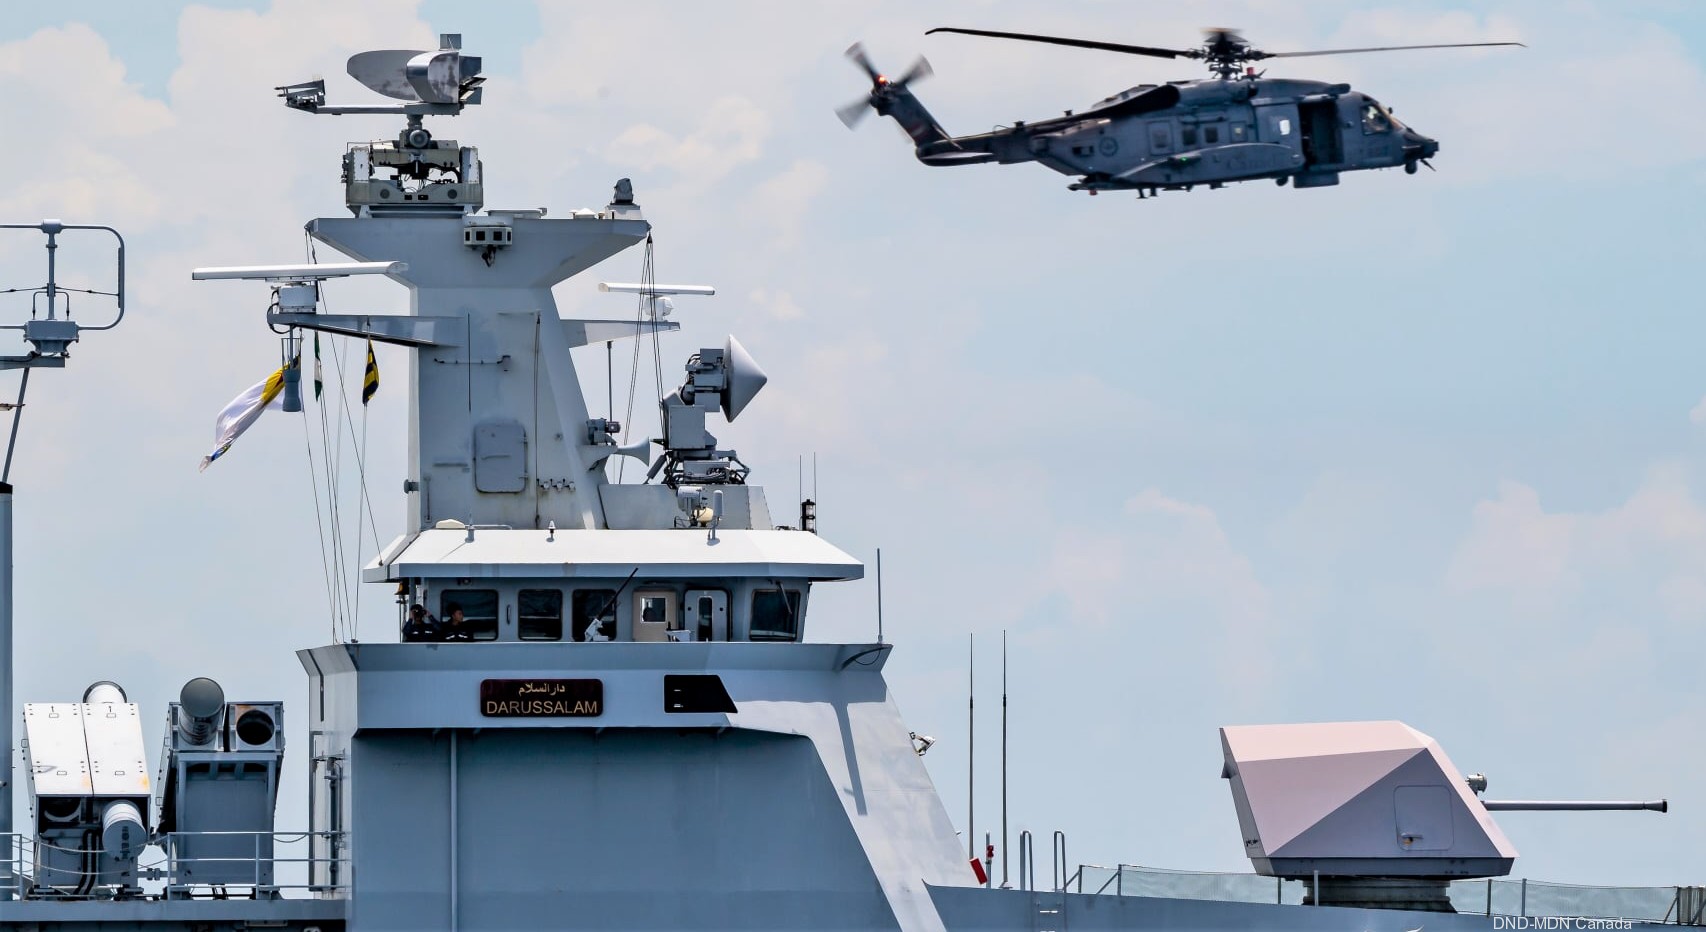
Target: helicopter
[{"x": 1234, "y": 126}]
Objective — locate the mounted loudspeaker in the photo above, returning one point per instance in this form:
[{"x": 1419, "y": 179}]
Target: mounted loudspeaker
[
  {"x": 742, "y": 378},
  {"x": 641, "y": 451}
]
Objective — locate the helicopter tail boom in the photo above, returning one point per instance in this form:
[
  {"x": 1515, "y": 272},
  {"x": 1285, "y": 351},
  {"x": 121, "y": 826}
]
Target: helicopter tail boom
[{"x": 933, "y": 145}]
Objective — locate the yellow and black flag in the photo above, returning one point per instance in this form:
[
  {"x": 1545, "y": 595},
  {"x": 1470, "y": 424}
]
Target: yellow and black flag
[{"x": 370, "y": 378}]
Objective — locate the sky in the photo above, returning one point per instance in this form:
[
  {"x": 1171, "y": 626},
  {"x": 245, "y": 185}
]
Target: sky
[{"x": 1424, "y": 447}]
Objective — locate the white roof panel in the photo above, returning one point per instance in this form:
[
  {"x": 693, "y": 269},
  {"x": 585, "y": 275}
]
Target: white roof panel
[
  {"x": 118, "y": 764},
  {"x": 532, "y": 554},
  {"x": 57, "y": 756}
]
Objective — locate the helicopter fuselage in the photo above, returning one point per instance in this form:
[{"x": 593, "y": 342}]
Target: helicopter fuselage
[{"x": 1206, "y": 132}]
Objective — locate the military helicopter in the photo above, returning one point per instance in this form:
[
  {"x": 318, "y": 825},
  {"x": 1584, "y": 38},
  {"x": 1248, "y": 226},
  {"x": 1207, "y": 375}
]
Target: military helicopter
[{"x": 1235, "y": 126}]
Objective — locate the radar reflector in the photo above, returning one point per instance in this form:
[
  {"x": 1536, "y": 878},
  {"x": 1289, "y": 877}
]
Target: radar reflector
[
  {"x": 443, "y": 76},
  {"x": 385, "y": 71}
]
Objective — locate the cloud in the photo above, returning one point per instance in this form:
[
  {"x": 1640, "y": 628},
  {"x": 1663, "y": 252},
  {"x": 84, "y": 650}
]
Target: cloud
[
  {"x": 731, "y": 132},
  {"x": 784, "y": 201},
  {"x": 1167, "y": 565},
  {"x": 1647, "y": 554}
]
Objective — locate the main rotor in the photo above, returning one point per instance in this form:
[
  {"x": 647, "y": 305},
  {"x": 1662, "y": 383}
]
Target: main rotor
[{"x": 1226, "y": 52}]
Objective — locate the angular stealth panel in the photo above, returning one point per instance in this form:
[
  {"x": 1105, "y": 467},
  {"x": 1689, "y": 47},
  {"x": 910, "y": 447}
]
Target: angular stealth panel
[{"x": 1376, "y": 799}]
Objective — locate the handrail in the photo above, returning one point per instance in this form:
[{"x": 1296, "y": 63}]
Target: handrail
[
  {"x": 1678, "y": 905},
  {"x": 159, "y": 870},
  {"x": 1027, "y": 862}
]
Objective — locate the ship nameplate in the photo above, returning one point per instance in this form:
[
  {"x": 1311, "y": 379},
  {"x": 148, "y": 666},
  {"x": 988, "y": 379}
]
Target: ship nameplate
[{"x": 541, "y": 698}]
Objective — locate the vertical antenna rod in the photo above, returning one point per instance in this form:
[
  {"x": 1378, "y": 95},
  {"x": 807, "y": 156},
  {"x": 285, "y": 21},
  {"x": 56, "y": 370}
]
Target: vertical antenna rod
[
  {"x": 971, "y": 738},
  {"x": 1004, "y": 883},
  {"x": 879, "y": 595}
]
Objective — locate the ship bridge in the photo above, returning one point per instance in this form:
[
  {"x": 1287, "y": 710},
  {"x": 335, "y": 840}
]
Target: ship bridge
[{"x": 613, "y": 585}]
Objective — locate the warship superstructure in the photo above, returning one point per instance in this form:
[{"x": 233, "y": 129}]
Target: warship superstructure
[{"x": 599, "y": 710}]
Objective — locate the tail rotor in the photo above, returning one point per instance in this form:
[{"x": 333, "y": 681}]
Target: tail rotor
[{"x": 884, "y": 90}]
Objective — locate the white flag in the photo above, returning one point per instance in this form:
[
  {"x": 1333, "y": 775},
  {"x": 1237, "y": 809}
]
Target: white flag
[{"x": 243, "y": 411}]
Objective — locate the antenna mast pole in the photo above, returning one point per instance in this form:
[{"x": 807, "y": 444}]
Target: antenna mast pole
[
  {"x": 879, "y": 595},
  {"x": 1004, "y": 882},
  {"x": 971, "y": 739}
]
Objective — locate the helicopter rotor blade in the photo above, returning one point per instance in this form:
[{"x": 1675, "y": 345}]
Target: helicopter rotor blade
[
  {"x": 856, "y": 52},
  {"x": 919, "y": 71},
  {"x": 851, "y": 114},
  {"x": 1380, "y": 48},
  {"x": 1075, "y": 43}
]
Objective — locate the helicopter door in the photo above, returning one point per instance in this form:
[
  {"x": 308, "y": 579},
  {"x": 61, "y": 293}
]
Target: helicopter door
[{"x": 1322, "y": 144}]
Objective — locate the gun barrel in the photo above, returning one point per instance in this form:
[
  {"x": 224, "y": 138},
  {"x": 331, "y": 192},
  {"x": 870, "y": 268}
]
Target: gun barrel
[{"x": 1555, "y": 805}]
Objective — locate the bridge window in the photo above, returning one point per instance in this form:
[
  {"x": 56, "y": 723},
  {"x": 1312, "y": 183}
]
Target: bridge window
[
  {"x": 479, "y": 608},
  {"x": 540, "y": 615},
  {"x": 775, "y": 615},
  {"x": 1187, "y": 135},
  {"x": 1211, "y": 135},
  {"x": 654, "y": 614},
  {"x": 594, "y": 615}
]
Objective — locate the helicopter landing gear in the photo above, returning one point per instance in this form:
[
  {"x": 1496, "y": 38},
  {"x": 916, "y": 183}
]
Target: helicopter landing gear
[
  {"x": 1281, "y": 180},
  {"x": 1410, "y": 167}
]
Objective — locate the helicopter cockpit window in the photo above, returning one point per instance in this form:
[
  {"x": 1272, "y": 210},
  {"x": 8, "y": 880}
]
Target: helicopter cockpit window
[{"x": 1374, "y": 118}]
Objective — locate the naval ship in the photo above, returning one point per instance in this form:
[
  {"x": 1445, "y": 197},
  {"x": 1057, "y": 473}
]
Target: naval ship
[{"x": 599, "y": 708}]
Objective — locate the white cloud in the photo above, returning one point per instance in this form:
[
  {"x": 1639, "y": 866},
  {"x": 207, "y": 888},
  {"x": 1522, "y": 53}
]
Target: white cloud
[
  {"x": 731, "y": 132},
  {"x": 1649, "y": 551}
]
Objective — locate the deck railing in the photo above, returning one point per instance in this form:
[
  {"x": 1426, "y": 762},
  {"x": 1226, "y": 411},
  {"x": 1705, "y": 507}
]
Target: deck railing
[
  {"x": 283, "y": 865},
  {"x": 1674, "y": 905}
]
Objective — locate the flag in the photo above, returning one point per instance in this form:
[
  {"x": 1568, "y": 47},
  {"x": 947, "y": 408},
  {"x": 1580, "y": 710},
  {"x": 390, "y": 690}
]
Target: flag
[
  {"x": 319, "y": 376},
  {"x": 244, "y": 410},
  {"x": 370, "y": 378}
]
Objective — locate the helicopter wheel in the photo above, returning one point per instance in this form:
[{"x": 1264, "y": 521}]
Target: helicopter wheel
[
  {"x": 1410, "y": 167},
  {"x": 1281, "y": 180}
]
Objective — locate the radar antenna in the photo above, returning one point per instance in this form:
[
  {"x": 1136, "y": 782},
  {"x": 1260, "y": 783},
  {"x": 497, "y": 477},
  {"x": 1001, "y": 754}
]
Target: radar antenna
[{"x": 416, "y": 174}]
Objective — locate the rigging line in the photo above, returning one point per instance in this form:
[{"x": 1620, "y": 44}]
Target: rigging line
[
  {"x": 314, "y": 484},
  {"x": 342, "y": 551},
  {"x": 333, "y": 553},
  {"x": 365, "y": 499},
  {"x": 332, "y": 446},
  {"x": 634, "y": 365},
  {"x": 650, "y": 279},
  {"x": 355, "y": 616}
]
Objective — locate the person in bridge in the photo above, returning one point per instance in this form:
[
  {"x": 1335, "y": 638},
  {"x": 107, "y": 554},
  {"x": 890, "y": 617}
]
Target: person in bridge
[{"x": 421, "y": 626}]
